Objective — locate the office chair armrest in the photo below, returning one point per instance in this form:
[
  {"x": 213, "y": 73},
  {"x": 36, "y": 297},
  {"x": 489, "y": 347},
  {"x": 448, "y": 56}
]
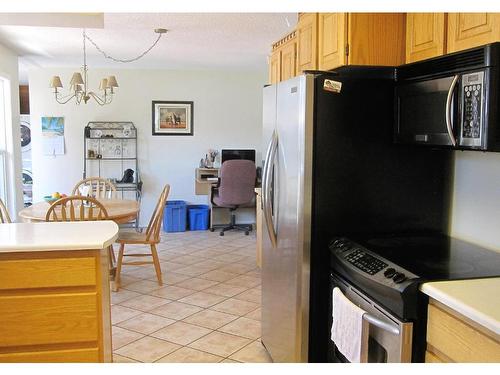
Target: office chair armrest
[{"x": 213, "y": 190}]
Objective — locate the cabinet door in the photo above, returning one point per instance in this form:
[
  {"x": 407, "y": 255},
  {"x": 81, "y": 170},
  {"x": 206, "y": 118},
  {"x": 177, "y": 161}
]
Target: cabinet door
[
  {"x": 307, "y": 33},
  {"x": 376, "y": 39},
  {"x": 467, "y": 30},
  {"x": 425, "y": 36},
  {"x": 332, "y": 30},
  {"x": 275, "y": 67},
  {"x": 453, "y": 337},
  {"x": 288, "y": 60}
]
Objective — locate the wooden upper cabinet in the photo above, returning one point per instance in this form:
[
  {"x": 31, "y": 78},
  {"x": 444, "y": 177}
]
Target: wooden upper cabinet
[
  {"x": 467, "y": 30},
  {"x": 288, "y": 60},
  {"x": 425, "y": 35},
  {"x": 283, "y": 59},
  {"x": 275, "y": 67},
  {"x": 332, "y": 37},
  {"x": 360, "y": 39},
  {"x": 326, "y": 41},
  {"x": 307, "y": 38},
  {"x": 376, "y": 39}
]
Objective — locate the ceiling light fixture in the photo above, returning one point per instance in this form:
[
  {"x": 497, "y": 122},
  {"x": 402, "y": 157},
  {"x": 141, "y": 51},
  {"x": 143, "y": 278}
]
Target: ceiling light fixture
[{"x": 79, "y": 84}]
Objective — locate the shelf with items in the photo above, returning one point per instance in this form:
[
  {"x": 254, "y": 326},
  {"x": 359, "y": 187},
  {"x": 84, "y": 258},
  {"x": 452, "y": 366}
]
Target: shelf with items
[
  {"x": 110, "y": 151},
  {"x": 109, "y": 138},
  {"x": 110, "y": 158},
  {"x": 125, "y": 185}
]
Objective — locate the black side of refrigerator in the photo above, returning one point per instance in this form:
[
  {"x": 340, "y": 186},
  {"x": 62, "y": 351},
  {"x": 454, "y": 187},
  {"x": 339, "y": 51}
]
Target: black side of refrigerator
[{"x": 362, "y": 182}]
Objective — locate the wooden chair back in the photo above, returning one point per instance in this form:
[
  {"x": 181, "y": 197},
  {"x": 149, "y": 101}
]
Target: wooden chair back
[
  {"x": 4, "y": 214},
  {"x": 99, "y": 187},
  {"x": 76, "y": 208},
  {"x": 154, "y": 226}
]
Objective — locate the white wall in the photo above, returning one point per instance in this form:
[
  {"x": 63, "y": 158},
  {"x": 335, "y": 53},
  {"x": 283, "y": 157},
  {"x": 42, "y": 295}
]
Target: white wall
[
  {"x": 227, "y": 114},
  {"x": 9, "y": 72},
  {"x": 476, "y": 198}
]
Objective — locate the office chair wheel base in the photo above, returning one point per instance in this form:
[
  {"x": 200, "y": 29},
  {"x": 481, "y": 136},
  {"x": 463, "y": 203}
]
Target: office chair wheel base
[
  {"x": 212, "y": 230},
  {"x": 247, "y": 233},
  {"x": 221, "y": 233}
]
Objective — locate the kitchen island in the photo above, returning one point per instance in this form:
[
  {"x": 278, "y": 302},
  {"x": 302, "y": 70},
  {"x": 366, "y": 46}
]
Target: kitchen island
[
  {"x": 54, "y": 292},
  {"x": 463, "y": 320}
]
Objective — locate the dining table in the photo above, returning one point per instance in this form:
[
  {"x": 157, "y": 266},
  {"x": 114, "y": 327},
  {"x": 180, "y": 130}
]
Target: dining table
[{"x": 120, "y": 211}]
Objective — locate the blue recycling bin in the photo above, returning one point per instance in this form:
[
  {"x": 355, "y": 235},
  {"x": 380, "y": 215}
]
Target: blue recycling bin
[
  {"x": 198, "y": 216},
  {"x": 174, "y": 216}
]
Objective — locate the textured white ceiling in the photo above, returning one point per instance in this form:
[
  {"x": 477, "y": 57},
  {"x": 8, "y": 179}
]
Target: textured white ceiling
[{"x": 194, "y": 41}]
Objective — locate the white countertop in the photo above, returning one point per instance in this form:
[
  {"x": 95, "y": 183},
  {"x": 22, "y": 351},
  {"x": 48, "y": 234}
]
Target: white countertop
[
  {"x": 477, "y": 299},
  {"x": 87, "y": 235}
]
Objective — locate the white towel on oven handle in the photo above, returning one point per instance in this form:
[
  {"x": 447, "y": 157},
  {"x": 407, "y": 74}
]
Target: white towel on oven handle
[{"x": 347, "y": 331}]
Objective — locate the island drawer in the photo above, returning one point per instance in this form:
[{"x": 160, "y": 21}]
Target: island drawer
[
  {"x": 29, "y": 320},
  {"x": 50, "y": 356},
  {"x": 47, "y": 273}
]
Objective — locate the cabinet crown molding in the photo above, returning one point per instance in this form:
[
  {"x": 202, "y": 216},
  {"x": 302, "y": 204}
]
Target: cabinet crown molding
[{"x": 284, "y": 40}]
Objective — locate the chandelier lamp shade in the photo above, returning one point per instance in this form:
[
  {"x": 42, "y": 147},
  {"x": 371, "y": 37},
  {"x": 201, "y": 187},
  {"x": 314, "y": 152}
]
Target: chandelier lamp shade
[{"x": 78, "y": 85}]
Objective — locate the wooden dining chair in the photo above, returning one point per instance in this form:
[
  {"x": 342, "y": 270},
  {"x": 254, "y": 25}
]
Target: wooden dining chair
[
  {"x": 99, "y": 187},
  {"x": 150, "y": 237},
  {"x": 76, "y": 208},
  {"x": 4, "y": 214}
]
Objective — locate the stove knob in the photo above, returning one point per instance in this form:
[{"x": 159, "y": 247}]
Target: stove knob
[
  {"x": 399, "y": 278},
  {"x": 389, "y": 272}
]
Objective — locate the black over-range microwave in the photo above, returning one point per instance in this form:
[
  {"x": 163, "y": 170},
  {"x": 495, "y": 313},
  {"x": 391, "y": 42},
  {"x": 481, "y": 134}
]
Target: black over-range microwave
[{"x": 450, "y": 101}]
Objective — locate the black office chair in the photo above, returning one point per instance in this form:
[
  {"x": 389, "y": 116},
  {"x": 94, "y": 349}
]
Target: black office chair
[{"x": 234, "y": 189}]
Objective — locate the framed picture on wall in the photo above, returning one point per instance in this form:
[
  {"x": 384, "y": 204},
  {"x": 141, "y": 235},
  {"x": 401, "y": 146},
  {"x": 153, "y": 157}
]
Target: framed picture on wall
[{"x": 172, "y": 118}]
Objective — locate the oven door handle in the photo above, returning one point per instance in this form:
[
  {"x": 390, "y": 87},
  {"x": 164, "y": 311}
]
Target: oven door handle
[
  {"x": 381, "y": 324},
  {"x": 449, "y": 98}
]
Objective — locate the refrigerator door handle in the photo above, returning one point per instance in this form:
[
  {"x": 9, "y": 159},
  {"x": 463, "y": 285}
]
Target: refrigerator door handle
[
  {"x": 266, "y": 190},
  {"x": 264, "y": 172}
]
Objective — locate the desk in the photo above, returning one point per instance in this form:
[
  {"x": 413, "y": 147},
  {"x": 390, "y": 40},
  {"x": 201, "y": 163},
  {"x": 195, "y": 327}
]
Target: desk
[
  {"x": 202, "y": 186},
  {"x": 119, "y": 210}
]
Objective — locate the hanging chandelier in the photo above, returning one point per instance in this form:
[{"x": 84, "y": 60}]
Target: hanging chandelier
[{"x": 79, "y": 83}]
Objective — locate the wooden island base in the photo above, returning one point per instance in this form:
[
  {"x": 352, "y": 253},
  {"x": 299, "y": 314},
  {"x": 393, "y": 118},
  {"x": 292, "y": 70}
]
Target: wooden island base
[{"x": 55, "y": 304}]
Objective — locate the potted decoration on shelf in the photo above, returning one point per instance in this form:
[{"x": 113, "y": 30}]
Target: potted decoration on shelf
[{"x": 211, "y": 156}]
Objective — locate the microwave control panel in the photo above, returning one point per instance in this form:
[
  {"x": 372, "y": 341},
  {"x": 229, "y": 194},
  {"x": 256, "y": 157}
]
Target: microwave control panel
[{"x": 472, "y": 108}]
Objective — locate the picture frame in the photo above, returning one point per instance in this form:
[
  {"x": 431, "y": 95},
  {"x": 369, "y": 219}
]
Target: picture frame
[{"x": 172, "y": 117}]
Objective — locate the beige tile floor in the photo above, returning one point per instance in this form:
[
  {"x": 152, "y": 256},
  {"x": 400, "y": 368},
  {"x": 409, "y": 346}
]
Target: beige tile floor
[{"x": 208, "y": 309}]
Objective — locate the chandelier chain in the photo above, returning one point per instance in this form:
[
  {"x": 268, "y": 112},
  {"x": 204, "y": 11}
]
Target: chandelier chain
[{"x": 123, "y": 60}]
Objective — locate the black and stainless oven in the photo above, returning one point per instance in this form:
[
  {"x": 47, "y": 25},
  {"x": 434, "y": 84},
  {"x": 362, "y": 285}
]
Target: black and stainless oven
[
  {"x": 389, "y": 338},
  {"x": 362, "y": 276},
  {"x": 450, "y": 101},
  {"x": 382, "y": 275}
]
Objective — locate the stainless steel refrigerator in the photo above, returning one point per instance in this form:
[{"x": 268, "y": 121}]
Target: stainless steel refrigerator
[
  {"x": 288, "y": 125},
  {"x": 332, "y": 169}
]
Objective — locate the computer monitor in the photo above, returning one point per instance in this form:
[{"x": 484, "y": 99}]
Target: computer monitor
[{"x": 237, "y": 154}]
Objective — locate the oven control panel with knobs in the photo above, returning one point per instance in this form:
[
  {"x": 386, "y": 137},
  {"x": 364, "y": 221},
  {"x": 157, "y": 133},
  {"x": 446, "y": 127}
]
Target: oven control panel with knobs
[{"x": 360, "y": 259}]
